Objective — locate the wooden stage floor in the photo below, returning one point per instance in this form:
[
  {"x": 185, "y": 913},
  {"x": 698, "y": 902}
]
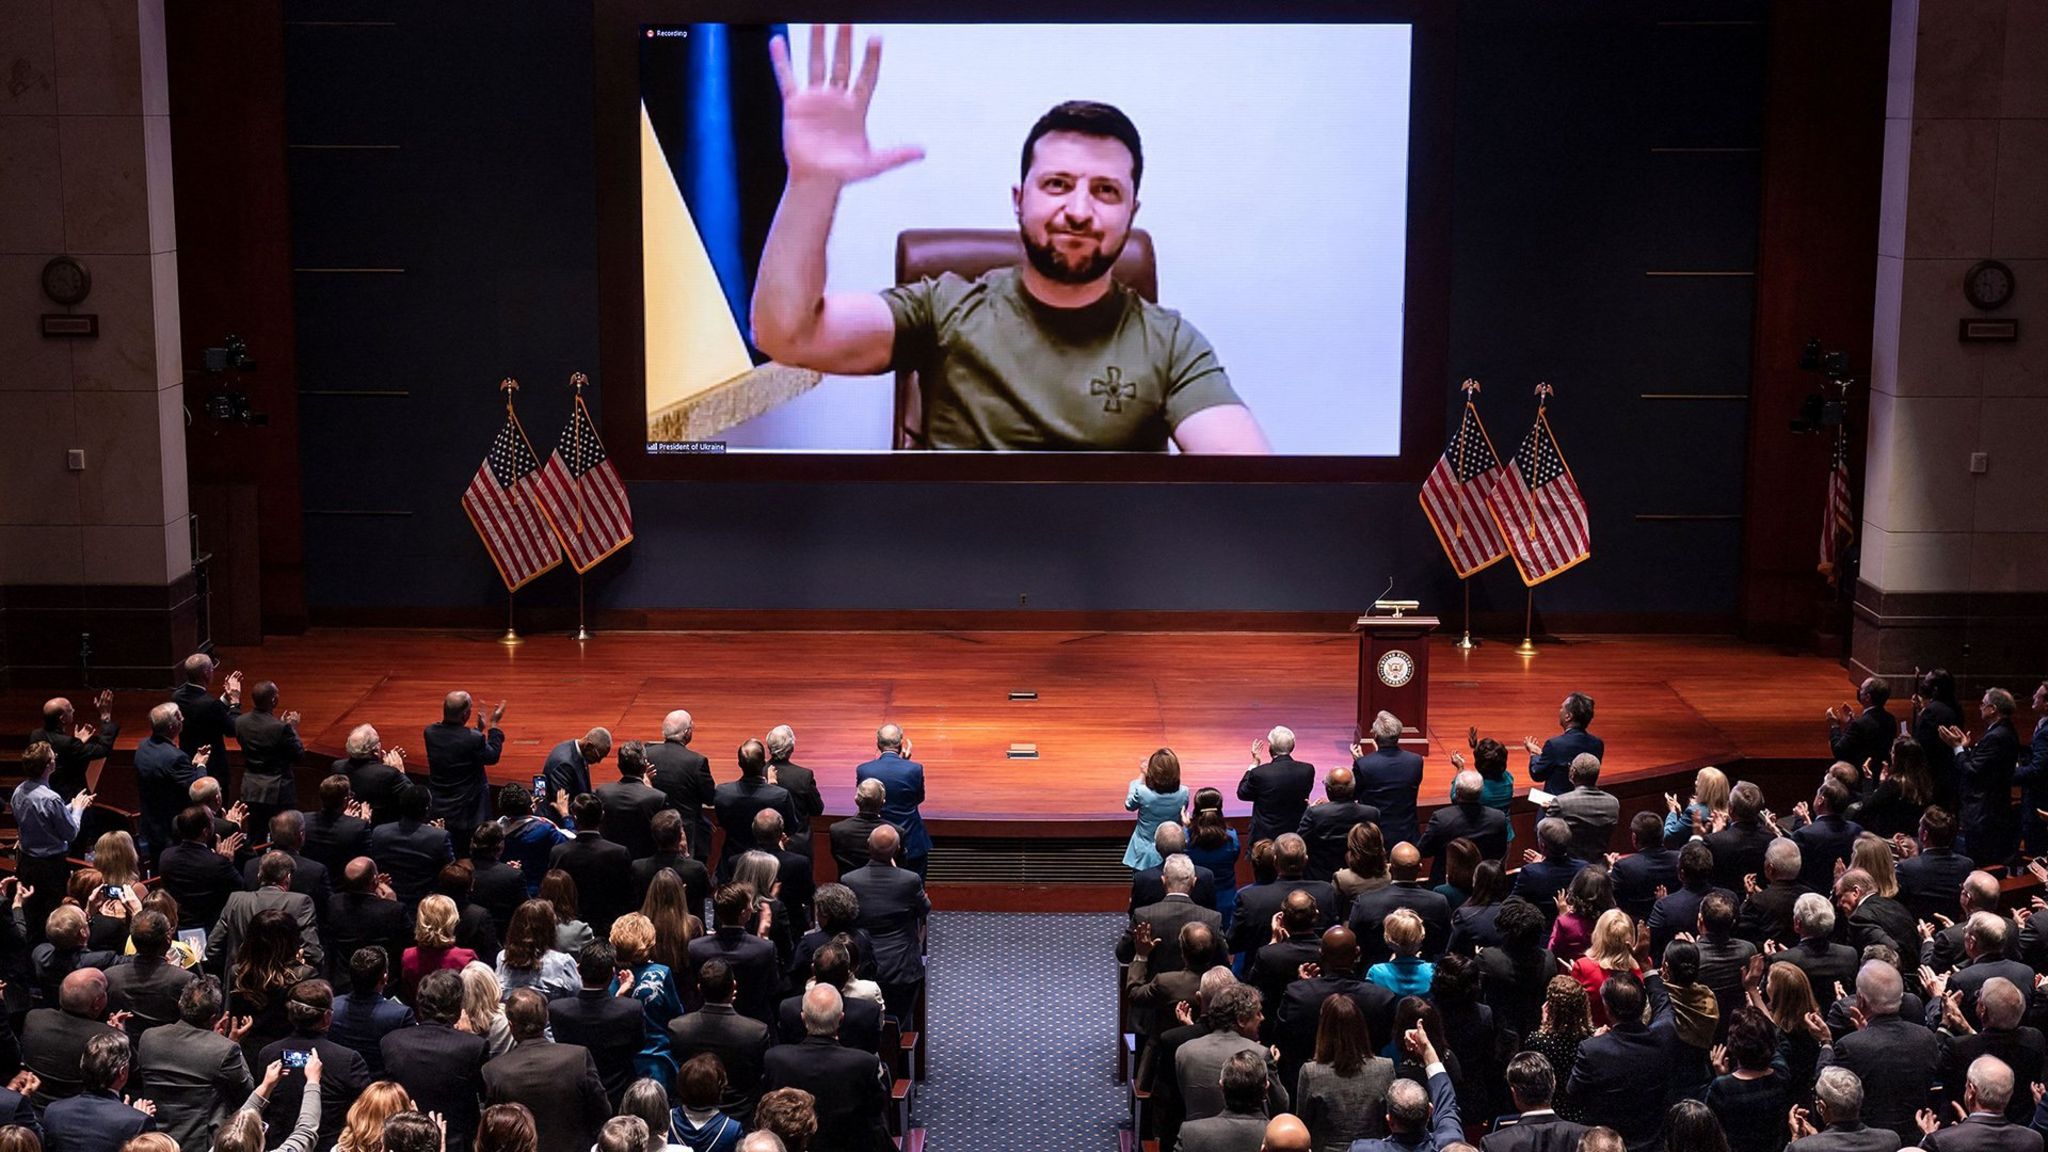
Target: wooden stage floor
[{"x": 1105, "y": 700}]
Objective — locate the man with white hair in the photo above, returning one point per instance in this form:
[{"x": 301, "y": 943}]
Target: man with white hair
[
  {"x": 684, "y": 776},
  {"x": 800, "y": 782},
  {"x": 209, "y": 719},
  {"x": 761, "y": 1140},
  {"x": 1987, "y": 943},
  {"x": 1895, "y": 1059},
  {"x": 850, "y": 1087},
  {"x": 1465, "y": 817},
  {"x": 903, "y": 780},
  {"x": 1823, "y": 961},
  {"x": 850, "y": 833},
  {"x": 1146, "y": 886},
  {"x": 1278, "y": 789},
  {"x": 374, "y": 772},
  {"x": 1767, "y": 908},
  {"x": 164, "y": 775},
  {"x": 1840, "y": 1097},
  {"x": 1418, "y": 1119},
  {"x": 1388, "y": 778},
  {"x": 1988, "y": 1092},
  {"x": 1999, "y": 1033},
  {"x": 1163, "y": 919}
]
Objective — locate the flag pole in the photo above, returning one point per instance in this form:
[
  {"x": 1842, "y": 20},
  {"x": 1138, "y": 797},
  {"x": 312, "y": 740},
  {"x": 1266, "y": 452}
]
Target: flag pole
[
  {"x": 508, "y": 386},
  {"x": 582, "y": 632},
  {"x": 1466, "y": 641},
  {"x": 1528, "y": 645}
]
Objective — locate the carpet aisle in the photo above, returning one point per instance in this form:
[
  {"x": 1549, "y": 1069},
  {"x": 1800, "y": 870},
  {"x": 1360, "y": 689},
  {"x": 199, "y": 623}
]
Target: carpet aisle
[{"x": 1023, "y": 1021}]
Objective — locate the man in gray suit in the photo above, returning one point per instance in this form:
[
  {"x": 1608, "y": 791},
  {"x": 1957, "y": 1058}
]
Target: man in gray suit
[
  {"x": 1840, "y": 1095},
  {"x": 1177, "y": 876},
  {"x": 1894, "y": 1058},
  {"x": 196, "y": 1075},
  {"x": 1241, "y": 1126},
  {"x": 1589, "y": 812},
  {"x": 1234, "y": 1015},
  {"x": 274, "y": 874}
]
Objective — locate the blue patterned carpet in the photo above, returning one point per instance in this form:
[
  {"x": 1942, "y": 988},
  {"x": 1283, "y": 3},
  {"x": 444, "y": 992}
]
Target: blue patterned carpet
[{"x": 1023, "y": 1021}]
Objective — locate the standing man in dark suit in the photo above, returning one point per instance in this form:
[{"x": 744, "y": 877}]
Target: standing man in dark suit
[
  {"x": 554, "y": 1079},
  {"x": 1984, "y": 771},
  {"x": 603, "y": 871},
  {"x": 1827, "y": 838},
  {"x": 1541, "y": 879},
  {"x": 442, "y": 1068},
  {"x": 410, "y": 850},
  {"x": 849, "y": 834},
  {"x": 366, "y": 913},
  {"x": 1465, "y": 817},
  {"x": 738, "y": 800},
  {"x": 893, "y": 907},
  {"x": 343, "y": 1072},
  {"x": 1256, "y": 903},
  {"x": 738, "y": 1041},
  {"x": 2031, "y": 774},
  {"x": 793, "y": 879},
  {"x": 164, "y": 774},
  {"x": 1537, "y": 1128},
  {"x": 1650, "y": 866},
  {"x": 364, "y": 1015},
  {"x": 1739, "y": 848},
  {"x": 271, "y": 749},
  {"x": 334, "y": 833},
  {"x": 1988, "y": 1093},
  {"x": 1388, "y": 778},
  {"x": 1278, "y": 789},
  {"x": 194, "y": 1067},
  {"x": 800, "y": 782},
  {"x": 567, "y": 767},
  {"x": 1620, "y": 1075},
  {"x": 1861, "y": 733},
  {"x": 208, "y": 718},
  {"x": 456, "y": 761},
  {"x": 1895, "y": 1059},
  {"x": 751, "y": 957},
  {"x": 1840, "y": 1097},
  {"x": 1931, "y": 875},
  {"x": 1550, "y": 763},
  {"x": 611, "y": 1028},
  {"x": 1147, "y": 887},
  {"x": 1679, "y": 910},
  {"x": 1370, "y": 910},
  {"x": 851, "y": 1087},
  {"x": 671, "y": 855},
  {"x": 97, "y": 1119},
  {"x": 1161, "y": 922},
  {"x": 497, "y": 887},
  {"x": 1767, "y": 906},
  {"x": 76, "y": 746},
  {"x": 147, "y": 986},
  {"x": 374, "y": 773},
  {"x": 274, "y": 894},
  {"x": 684, "y": 776},
  {"x": 630, "y": 803},
  {"x": 1326, "y": 827},
  {"x": 903, "y": 779},
  {"x": 288, "y": 835},
  {"x": 200, "y": 873},
  {"x": 54, "y": 1039}
]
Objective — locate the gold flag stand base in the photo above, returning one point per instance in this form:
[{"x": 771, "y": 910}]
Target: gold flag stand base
[
  {"x": 1528, "y": 645},
  {"x": 1466, "y": 641},
  {"x": 511, "y": 636}
]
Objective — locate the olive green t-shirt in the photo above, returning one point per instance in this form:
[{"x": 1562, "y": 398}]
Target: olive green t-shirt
[{"x": 1003, "y": 370}]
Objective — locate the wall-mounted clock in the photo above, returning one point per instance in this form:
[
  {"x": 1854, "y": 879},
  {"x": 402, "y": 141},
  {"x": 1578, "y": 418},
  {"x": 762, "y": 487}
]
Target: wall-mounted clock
[
  {"x": 1988, "y": 285},
  {"x": 66, "y": 281}
]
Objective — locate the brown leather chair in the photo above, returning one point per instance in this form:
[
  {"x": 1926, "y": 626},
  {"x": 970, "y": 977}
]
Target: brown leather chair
[{"x": 969, "y": 252}]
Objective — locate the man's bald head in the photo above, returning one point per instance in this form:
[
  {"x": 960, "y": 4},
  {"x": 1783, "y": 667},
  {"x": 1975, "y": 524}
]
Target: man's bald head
[
  {"x": 678, "y": 726},
  {"x": 455, "y": 707},
  {"x": 869, "y": 796},
  {"x": 1980, "y": 892},
  {"x": 1170, "y": 838},
  {"x": 359, "y": 875},
  {"x": 1407, "y": 1106},
  {"x": 883, "y": 844},
  {"x": 1286, "y": 1133},
  {"x": 1405, "y": 861},
  {"x": 2000, "y": 1004},
  {"x": 84, "y": 993},
  {"x": 1340, "y": 951},
  {"x": 1990, "y": 1081},
  {"x": 822, "y": 1010},
  {"x": 888, "y": 738},
  {"x": 1339, "y": 784}
]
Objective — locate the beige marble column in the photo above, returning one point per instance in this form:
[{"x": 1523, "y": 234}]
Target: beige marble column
[
  {"x": 85, "y": 171},
  {"x": 1955, "y": 562}
]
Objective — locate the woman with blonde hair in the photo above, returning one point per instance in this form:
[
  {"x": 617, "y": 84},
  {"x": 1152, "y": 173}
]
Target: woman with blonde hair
[
  {"x": 483, "y": 1007},
  {"x": 363, "y": 1131},
  {"x": 668, "y": 906},
  {"x": 654, "y": 985},
  {"x": 1873, "y": 854},
  {"x": 245, "y": 1131},
  {"x": 1157, "y": 797},
  {"x": 1709, "y": 795},
  {"x": 433, "y": 944},
  {"x": 1611, "y": 951}
]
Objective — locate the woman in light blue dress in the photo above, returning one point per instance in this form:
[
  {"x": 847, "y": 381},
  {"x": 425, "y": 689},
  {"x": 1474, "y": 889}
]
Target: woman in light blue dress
[{"x": 1156, "y": 797}]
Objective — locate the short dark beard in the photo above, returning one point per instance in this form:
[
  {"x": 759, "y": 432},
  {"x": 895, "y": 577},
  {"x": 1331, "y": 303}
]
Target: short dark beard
[{"x": 1047, "y": 261}]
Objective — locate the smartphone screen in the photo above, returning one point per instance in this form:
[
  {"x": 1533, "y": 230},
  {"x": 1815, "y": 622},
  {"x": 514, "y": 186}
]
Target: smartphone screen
[{"x": 540, "y": 784}]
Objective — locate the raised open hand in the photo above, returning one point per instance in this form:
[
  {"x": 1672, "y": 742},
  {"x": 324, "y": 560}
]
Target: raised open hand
[{"x": 825, "y": 121}]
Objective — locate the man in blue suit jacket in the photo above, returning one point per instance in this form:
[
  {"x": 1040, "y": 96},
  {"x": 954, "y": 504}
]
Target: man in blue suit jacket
[
  {"x": 568, "y": 765},
  {"x": 903, "y": 782},
  {"x": 1550, "y": 764},
  {"x": 1984, "y": 769},
  {"x": 97, "y": 1120},
  {"x": 1540, "y": 880},
  {"x": 1416, "y": 1123},
  {"x": 2030, "y": 773},
  {"x": 164, "y": 773},
  {"x": 1387, "y": 779}
]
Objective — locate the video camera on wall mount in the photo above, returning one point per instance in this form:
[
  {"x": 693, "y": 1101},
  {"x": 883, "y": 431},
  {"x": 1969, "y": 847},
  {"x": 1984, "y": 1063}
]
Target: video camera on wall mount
[
  {"x": 1827, "y": 406},
  {"x": 227, "y": 405}
]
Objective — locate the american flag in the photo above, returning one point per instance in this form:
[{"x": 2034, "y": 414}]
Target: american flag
[
  {"x": 500, "y": 501},
  {"x": 1454, "y": 498},
  {"x": 1539, "y": 508},
  {"x": 1837, "y": 527},
  {"x": 580, "y": 488}
]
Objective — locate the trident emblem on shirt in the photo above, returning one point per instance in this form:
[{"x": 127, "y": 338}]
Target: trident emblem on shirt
[{"x": 1113, "y": 389}]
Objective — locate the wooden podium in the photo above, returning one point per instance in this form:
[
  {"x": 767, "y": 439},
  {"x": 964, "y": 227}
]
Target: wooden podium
[{"x": 1393, "y": 675}]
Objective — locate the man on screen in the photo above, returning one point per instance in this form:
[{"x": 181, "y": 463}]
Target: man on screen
[{"x": 1050, "y": 355}]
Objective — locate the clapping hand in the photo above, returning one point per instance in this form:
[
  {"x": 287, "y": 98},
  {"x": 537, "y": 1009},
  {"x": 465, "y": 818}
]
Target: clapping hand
[
  {"x": 1530, "y": 746},
  {"x": 1749, "y": 883},
  {"x": 238, "y": 812},
  {"x": 200, "y": 757},
  {"x": 146, "y": 1107},
  {"x": 1817, "y": 1028},
  {"x": 1472, "y": 737},
  {"x": 27, "y": 1083},
  {"x": 233, "y": 688},
  {"x": 1671, "y": 802},
  {"x": 1953, "y": 736},
  {"x": 1801, "y": 1122},
  {"x": 231, "y": 845},
  {"x": 1530, "y": 856},
  {"x": 1952, "y": 1017},
  {"x": 104, "y": 702},
  {"x": 1184, "y": 1011},
  {"x": 1931, "y": 982},
  {"x": 497, "y": 713},
  {"x": 82, "y": 733},
  {"x": 394, "y": 758},
  {"x": 1310, "y": 971}
]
